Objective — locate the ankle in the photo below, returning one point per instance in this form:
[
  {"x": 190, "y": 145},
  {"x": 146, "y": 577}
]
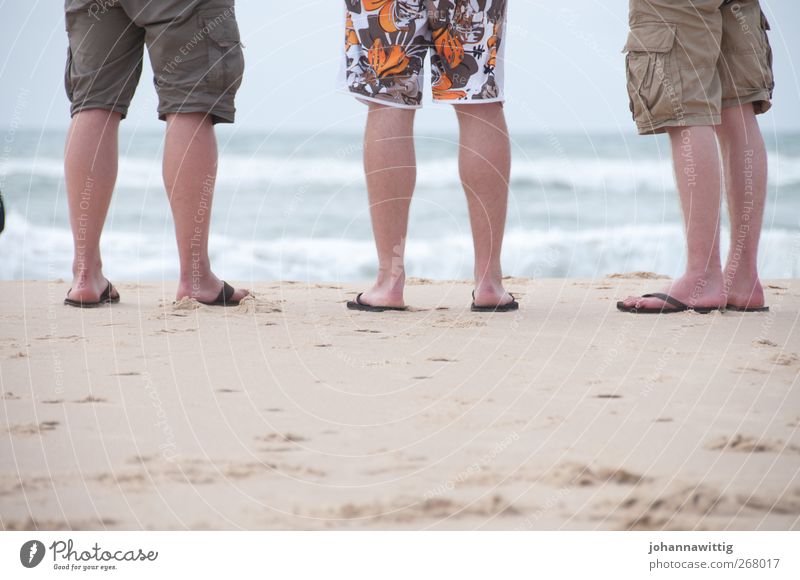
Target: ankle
[
  {"x": 704, "y": 272},
  {"x": 391, "y": 279},
  {"x": 87, "y": 270},
  {"x": 741, "y": 271}
]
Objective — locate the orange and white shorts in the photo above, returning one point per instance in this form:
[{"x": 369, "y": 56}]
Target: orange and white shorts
[{"x": 386, "y": 42}]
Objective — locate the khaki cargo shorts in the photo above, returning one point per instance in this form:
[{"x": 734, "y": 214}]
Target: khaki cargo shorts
[
  {"x": 687, "y": 60},
  {"x": 194, "y": 49}
]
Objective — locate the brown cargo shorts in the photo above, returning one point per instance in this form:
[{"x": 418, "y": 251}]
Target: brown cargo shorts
[
  {"x": 194, "y": 48},
  {"x": 687, "y": 60}
]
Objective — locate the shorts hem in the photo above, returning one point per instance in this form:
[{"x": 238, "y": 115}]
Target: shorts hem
[
  {"x": 388, "y": 102},
  {"x": 501, "y": 99},
  {"x": 217, "y": 116},
  {"x": 75, "y": 109},
  {"x": 761, "y": 100},
  {"x": 690, "y": 121}
]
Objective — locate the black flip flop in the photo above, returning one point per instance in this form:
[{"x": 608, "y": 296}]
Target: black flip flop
[
  {"x": 105, "y": 298},
  {"x": 358, "y": 305},
  {"x": 678, "y": 306},
  {"x": 733, "y": 308},
  {"x": 224, "y": 297},
  {"x": 508, "y": 307}
]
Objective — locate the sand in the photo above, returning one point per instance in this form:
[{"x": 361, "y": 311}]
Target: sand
[{"x": 290, "y": 412}]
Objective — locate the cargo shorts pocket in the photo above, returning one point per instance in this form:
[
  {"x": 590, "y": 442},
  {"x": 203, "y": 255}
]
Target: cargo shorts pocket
[
  {"x": 768, "y": 73},
  {"x": 225, "y": 58},
  {"x": 68, "y": 75},
  {"x": 654, "y": 84}
]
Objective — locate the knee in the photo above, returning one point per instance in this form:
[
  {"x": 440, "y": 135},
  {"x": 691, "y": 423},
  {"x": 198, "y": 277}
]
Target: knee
[
  {"x": 479, "y": 111},
  {"x": 97, "y": 115}
]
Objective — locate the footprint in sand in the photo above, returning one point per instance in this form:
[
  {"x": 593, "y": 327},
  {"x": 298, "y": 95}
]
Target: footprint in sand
[
  {"x": 785, "y": 359},
  {"x": 254, "y": 305},
  {"x": 686, "y": 507},
  {"x": 409, "y": 510},
  {"x": 282, "y": 437},
  {"x": 33, "y": 428},
  {"x": 446, "y": 323},
  {"x": 669, "y": 510},
  {"x": 749, "y": 444},
  {"x": 91, "y": 399},
  {"x": 585, "y": 476}
]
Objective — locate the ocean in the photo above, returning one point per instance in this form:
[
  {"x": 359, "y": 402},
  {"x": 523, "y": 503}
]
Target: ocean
[{"x": 294, "y": 207}]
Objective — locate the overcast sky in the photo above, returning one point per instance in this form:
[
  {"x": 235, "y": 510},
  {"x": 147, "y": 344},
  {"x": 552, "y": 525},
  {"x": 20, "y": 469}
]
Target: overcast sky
[{"x": 565, "y": 71}]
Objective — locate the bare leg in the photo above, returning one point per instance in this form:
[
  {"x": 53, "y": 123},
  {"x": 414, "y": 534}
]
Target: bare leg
[
  {"x": 190, "y": 171},
  {"x": 745, "y": 161},
  {"x": 697, "y": 173},
  {"x": 391, "y": 168},
  {"x": 484, "y": 163},
  {"x": 90, "y": 169}
]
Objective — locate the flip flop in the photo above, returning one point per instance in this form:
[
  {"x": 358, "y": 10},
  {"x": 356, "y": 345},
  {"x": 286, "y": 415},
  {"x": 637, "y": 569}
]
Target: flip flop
[
  {"x": 224, "y": 297},
  {"x": 358, "y": 305},
  {"x": 679, "y": 306},
  {"x": 105, "y": 298},
  {"x": 733, "y": 308},
  {"x": 508, "y": 307}
]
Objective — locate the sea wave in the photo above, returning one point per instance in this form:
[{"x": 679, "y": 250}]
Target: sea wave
[
  {"x": 32, "y": 251},
  {"x": 265, "y": 172}
]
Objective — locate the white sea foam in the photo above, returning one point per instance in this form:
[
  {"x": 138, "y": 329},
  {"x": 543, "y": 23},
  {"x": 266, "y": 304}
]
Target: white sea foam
[
  {"x": 40, "y": 252},
  {"x": 263, "y": 172}
]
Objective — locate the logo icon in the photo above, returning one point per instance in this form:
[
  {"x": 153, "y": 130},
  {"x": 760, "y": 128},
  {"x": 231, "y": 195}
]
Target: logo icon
[{"x": 31, "y": 553}]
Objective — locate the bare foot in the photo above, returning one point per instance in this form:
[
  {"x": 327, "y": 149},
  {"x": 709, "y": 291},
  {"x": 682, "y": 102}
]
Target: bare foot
[
  {"x": 88, "y": 287},
  {"x": 385, "y": 294},
  {"x": 206, "y": 289},
  {"x": 743, "y": 290},
  {"x": 704, "y": 290},
  {"x": 491, "y": 295}
]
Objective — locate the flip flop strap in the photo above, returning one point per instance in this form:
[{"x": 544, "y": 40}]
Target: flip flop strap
[
  {"x": 226, "y": 293},
  {"x": 668, "y": 299},
  {"x": 106, "y": 295}
]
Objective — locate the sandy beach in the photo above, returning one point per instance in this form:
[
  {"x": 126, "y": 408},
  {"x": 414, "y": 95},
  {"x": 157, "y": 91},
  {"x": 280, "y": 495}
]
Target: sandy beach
[{"x": 290, "y": 412}]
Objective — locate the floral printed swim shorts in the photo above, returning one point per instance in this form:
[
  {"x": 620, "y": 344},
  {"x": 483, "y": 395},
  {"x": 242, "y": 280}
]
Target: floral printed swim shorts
[{"x": 386, "y": 42}]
